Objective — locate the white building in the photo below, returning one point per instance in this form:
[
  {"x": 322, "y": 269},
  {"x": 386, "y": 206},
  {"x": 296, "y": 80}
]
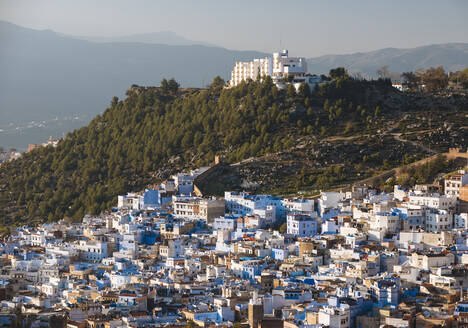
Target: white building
[
  {"x": 130, "y": 201},
  {"x": 300, "y": 206},
  {"x": 278, "y": 67},
  {"x": 411, "y": 216},
  {"x": 399, "y": 192},
  {"x": 92, "y": 250},
  {"x": 119, "y": 279},
  {"x": 431, "y": 260},
  {"x": 383, "y": 224},
  {"x": 194, "y": 207},
  {"x": 441, "y": 202},
  {"x": 285, "y": 65},
  {"x": 228, "y": 223},
  {"x": 171, "y": 248},
  {"x": 301, "y": 225},
  {"x": 38, "y": 238},
  {"x": 438, "y": 220},
  {"x": 334, "y": 317},
  {"x": 243, "y": 203},
  {"x": 453, "y": 183},
  {"x": 243, "y": 71},
  {"x": 386, "y": 222},
  {"x": 330, "y": 226},
  {"x": 329, "y": 200}
]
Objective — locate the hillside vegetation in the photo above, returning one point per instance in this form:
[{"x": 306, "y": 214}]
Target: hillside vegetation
[{"x": 158, "y": 131}]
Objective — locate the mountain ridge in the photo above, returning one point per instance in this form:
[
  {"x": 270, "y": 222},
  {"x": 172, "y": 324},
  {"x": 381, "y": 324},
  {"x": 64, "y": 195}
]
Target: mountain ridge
[
  {"x": 160, "y": 37},
  {"x": 398, "y": 59},
  {"x": 52, "y": 69}
]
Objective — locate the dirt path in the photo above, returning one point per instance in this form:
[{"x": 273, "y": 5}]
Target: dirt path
[{"x": 397, "y": 137}]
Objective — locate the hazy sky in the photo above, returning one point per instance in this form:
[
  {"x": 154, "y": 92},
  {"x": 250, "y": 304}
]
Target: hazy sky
[{"x": 305, "y": 27}]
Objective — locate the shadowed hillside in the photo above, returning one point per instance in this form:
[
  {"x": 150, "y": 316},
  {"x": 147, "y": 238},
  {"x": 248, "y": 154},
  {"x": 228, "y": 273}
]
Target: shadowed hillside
[{"x": 344, "y": 131}]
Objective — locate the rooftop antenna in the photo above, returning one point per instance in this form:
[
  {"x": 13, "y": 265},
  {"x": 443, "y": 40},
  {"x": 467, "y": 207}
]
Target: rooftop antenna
[{"x": 281, "y": 42}]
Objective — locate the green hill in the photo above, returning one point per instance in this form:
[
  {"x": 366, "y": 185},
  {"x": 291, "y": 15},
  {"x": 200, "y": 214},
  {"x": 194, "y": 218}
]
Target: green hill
[{"x": 307, "y": 139}]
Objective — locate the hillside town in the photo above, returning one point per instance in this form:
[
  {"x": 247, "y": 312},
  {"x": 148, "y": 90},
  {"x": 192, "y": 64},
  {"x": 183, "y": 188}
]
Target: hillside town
[
  {"x": 220, "y": 164},
  {"x": 169, "y": 257}
]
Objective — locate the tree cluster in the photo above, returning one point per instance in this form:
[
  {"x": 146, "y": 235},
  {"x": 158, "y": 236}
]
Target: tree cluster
[
  {"x": 460, "y": 78},
  {"x": 433, "y": 79},
  {"x": 424, "y": 173},
  {"x": 165, "y": 129}
]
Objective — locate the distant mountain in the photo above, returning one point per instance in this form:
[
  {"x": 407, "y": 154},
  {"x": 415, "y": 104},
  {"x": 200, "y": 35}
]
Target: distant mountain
[
  {"x": 162, "y": 37},
  {"x": 45, "y": 74},
  {"x": 453, "y": 56}
]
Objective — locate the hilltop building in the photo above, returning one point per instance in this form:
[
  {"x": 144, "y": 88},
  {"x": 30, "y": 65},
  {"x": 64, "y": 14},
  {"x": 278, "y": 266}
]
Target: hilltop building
[
  {"x": 243, "y": 71},
  {"x": 280, "y": 67}
]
